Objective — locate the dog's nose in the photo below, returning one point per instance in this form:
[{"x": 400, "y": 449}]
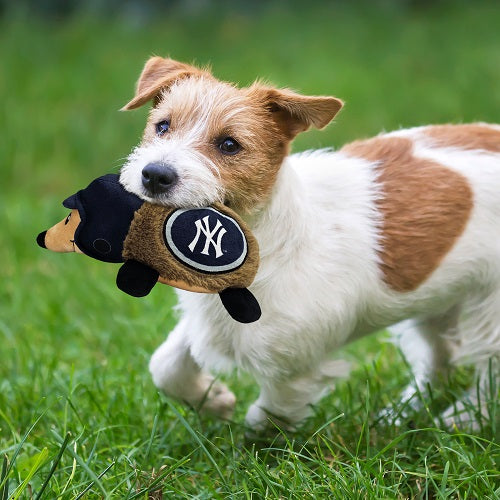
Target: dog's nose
[{"x": 157, "y": 178}]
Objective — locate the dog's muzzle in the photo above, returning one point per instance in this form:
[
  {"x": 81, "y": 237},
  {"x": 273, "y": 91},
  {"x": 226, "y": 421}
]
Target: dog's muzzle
[{"x": 158, "y": 178}]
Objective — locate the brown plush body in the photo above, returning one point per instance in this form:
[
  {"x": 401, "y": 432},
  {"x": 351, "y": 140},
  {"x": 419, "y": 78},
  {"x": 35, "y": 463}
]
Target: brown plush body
[{"x": 145, "y": 243}]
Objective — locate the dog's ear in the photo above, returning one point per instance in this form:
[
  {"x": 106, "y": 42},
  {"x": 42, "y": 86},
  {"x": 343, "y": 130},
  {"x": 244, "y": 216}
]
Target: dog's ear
[
  {"x": 158, "y": 74},
  {"x": 295, "y": 113}
]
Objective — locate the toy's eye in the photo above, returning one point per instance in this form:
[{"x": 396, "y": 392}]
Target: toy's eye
[
  {"x": 68, "y": 218},
  {"x": 229, "y": 146},
  {"x": 162, "y": 127}
]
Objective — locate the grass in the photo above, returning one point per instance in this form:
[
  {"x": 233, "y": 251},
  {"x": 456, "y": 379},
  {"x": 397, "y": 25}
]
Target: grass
[{"x": 79, "y": 416}]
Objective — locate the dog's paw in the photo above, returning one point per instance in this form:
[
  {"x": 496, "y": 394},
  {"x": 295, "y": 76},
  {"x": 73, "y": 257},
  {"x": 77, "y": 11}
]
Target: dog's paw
[
  {"x": 256, "y": 418},
  {"x": 390, "y": 416},
  {"x": 400, "y": 413},
  {"x": 261, "y": 421},
  {"x": 218, "y": 401},
  {"x": 460, "y": 417}
]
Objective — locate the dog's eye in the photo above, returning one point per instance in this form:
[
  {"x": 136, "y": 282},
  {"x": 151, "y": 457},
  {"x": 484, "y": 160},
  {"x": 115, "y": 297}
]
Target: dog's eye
[
  {"x": 162, "y": 127},
  {"x": 229, "y": 146},
  {"x": 68, "y": 218}
]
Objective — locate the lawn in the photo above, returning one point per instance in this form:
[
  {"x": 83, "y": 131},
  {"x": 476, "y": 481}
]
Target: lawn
[{"x": 79, "y": 415}]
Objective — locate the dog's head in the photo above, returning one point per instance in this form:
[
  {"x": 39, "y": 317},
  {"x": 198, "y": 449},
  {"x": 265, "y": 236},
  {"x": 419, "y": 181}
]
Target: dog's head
[{"x": 208, "y": 141}]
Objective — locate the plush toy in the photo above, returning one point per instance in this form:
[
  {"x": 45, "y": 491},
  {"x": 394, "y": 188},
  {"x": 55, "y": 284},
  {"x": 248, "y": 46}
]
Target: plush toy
[{"x": 207, "y": 250}]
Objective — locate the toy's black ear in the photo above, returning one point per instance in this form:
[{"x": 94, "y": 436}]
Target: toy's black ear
[
  {"x": 136, "y": 278},
  {"x": 241, "y": 304}
]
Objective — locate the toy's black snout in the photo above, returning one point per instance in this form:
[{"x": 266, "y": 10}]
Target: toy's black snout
[
  {"x": 40, "y": 239},
  {"x": 158, "y": 178}
]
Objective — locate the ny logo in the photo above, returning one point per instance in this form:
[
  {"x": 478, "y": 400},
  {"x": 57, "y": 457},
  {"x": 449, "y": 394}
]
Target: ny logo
[{"x": 203, "y": 226}]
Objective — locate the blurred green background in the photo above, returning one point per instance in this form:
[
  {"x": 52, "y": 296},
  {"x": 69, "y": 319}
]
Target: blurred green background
[{"x": 71, "y": 344}]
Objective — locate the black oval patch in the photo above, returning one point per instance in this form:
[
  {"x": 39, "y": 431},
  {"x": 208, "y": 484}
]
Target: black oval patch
[
  {"x": 102, "y": 246},
  {"x": 205, "y": 239}
]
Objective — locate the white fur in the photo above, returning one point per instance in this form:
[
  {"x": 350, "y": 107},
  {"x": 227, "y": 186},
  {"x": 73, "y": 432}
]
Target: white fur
[
  {"x": 198, "y": 183},
  {"x": 320, "y": 284}
]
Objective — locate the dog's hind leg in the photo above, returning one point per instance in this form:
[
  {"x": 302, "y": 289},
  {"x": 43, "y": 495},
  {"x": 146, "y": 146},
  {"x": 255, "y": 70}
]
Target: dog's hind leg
[
  {"x": 475, "y": 404},
  {"x": 177, "y": 374},
  {"x": 478, "y": 343},
  {"x": 426, "y": 346}
]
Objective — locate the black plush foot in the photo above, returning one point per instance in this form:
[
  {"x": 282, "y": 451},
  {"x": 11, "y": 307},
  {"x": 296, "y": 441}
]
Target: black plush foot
[
  {"x": 136, "y": 279},
  {"x": 241, "y": 304}
]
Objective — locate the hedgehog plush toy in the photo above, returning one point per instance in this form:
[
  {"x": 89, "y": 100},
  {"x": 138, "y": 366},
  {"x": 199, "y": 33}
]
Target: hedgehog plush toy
[{"x": 208, "y": 250}]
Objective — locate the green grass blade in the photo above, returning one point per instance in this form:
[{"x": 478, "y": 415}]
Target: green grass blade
[
  {"x": 196, "y": 437},
  {"x": 40, "y": 460},
  {"x": 18, "y": 448},
  {"x": 54, "y": 466},
  {"x": 82, "y": 464},
  {"x": 4, "y": 489},
  {"x": 92, "y": 483},
  {"x": 163, "y": 474},
  {"x": 444, "y": 479}
]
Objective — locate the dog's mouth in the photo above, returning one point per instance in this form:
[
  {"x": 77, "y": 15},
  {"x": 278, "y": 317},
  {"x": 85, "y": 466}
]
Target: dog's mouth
[
  {"x": 180, "y": 197},
  {"x": 156, "y": 198}
]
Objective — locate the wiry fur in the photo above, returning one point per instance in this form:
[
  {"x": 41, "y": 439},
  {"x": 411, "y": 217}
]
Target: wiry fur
[{"x": 320, "y": 224}]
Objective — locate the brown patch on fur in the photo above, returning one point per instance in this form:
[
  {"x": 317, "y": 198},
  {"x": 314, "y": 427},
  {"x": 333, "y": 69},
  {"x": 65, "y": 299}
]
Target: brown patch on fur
[
  {"x": 271, "y": 118},
  {"x": 475, "y": 136},
  {"x": 145, "y": 243},
  {"x": 425, "y": 208},
  {"x": 295, "y": 113}
]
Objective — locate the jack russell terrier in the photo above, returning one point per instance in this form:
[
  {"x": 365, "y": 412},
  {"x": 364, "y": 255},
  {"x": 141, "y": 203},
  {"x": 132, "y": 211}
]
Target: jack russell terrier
[{"x": 402, "y": 229}]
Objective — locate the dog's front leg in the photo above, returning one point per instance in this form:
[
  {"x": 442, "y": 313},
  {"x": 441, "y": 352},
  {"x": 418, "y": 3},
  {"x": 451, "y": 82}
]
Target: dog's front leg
[{"x": 177, "y": 374}]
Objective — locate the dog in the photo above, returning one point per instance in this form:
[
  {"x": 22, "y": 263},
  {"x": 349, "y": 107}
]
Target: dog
[{"x": 401, "y": 229}]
